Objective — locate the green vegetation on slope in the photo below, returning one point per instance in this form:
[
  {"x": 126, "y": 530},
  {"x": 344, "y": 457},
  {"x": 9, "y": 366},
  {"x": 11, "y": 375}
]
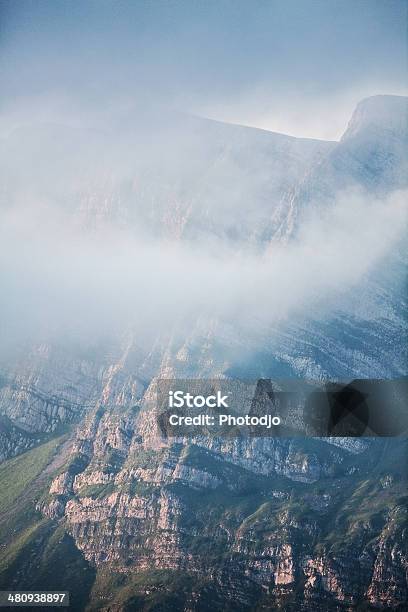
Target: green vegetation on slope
[
  {"x": 22, "y": 481},
  {"x": 36, "y": 553}
]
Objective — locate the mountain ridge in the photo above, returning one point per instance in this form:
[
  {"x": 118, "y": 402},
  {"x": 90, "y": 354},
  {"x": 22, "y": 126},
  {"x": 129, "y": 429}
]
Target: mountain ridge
[{"x": 140, "y": 522}]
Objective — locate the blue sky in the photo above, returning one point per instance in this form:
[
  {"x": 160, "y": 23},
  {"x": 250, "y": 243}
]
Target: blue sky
[{"x": 292, "y": 66}]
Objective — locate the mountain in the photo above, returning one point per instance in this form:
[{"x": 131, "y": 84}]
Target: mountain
[
  {"x": 95, "y": 496},
  {"x": 370, "y": 158},
  {"x": 170, "y": 175}
]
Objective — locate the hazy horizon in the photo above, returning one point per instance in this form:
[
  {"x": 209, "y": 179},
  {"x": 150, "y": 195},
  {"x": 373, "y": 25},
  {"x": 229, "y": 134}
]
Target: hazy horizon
[{"x": 256, "y": 64}]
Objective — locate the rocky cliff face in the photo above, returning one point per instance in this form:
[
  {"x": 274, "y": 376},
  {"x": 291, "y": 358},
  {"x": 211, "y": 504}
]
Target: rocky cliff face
[
  {"x": 315, "y": 528},
  {"x": 275, "y": 523}
]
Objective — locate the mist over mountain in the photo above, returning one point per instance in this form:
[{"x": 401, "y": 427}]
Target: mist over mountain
[
  {"x": 161, "y": 217},
  {"x": 158, "y": 244}
]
